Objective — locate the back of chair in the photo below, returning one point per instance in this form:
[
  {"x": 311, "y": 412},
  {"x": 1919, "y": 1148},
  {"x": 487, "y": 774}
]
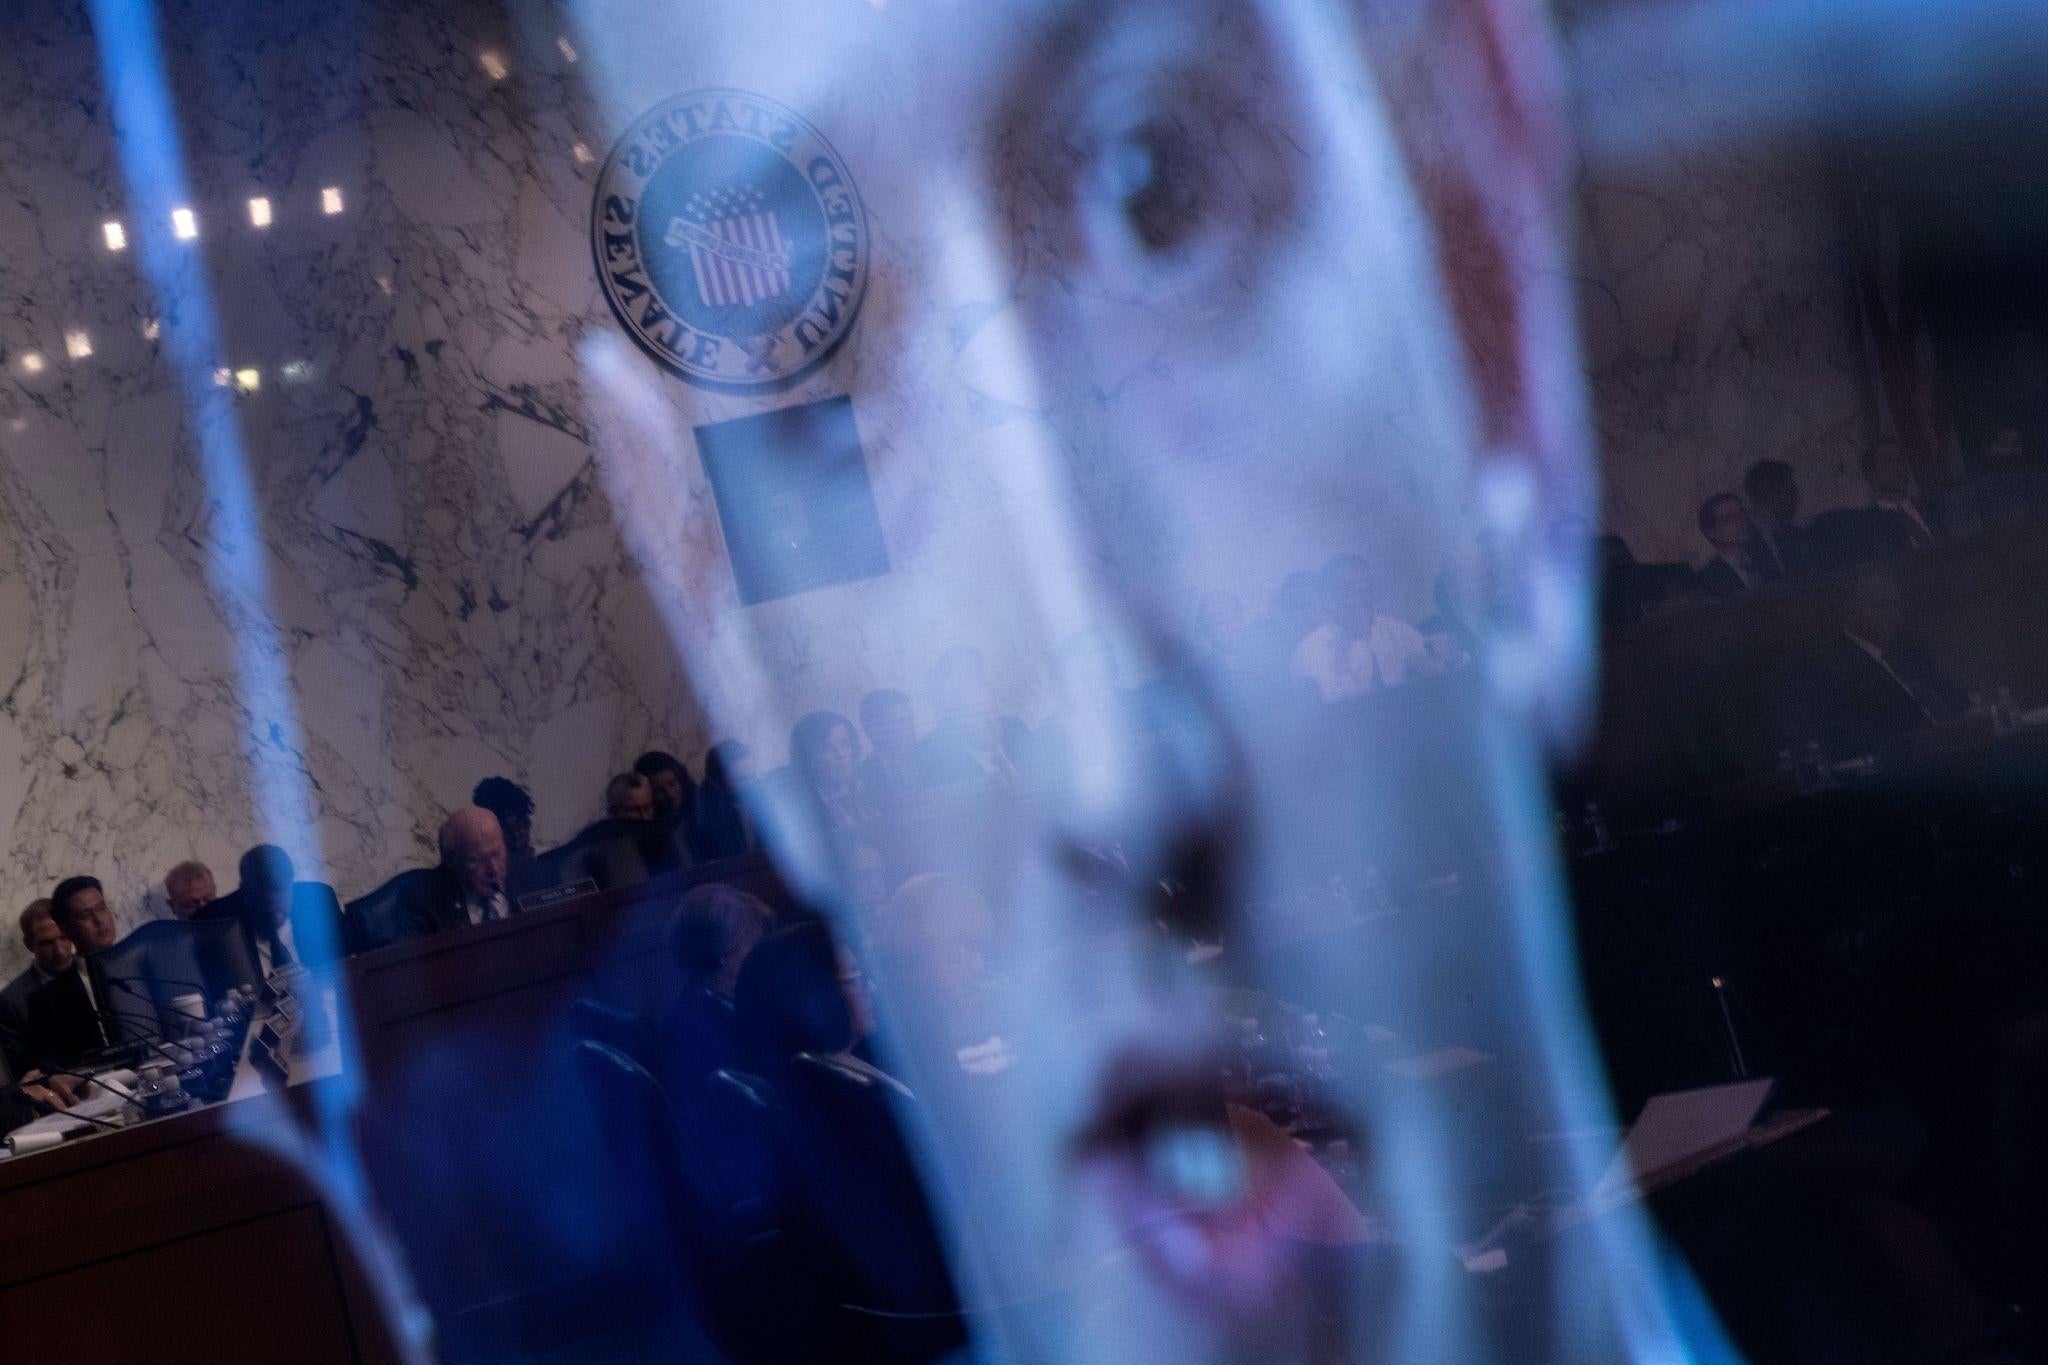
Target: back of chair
[
  {"x": 371, "y": 921},
  {"x": 138, "y": 978},
  {"x": 593, "y": 1021}
]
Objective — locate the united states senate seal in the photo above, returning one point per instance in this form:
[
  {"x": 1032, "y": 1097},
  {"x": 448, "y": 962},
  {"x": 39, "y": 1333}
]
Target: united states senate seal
[{"x": 730, "y": 240}]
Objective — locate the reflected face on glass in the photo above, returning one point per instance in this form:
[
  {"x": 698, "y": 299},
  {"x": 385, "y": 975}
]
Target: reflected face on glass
[{"x": 1169, "y": 300}]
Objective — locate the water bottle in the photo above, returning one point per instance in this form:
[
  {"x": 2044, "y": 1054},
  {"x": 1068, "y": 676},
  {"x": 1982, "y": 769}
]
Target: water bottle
[{"x": 157, "y": 1091}]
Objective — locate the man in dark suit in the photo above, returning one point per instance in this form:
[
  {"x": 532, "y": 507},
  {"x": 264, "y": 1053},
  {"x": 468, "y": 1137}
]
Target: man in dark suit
[
  {"x": 1724, "y": 521},
  {"x": 51, "y": 955},
  {"x": 291, "y": 922},
  {"x": 1893, "y": 524},
  {"x": 467, "y": 887},
  {"x": 66, "y": 1019},
  {"x": 1777, "y": 542},
  {"x": 1866, "y": 688}
]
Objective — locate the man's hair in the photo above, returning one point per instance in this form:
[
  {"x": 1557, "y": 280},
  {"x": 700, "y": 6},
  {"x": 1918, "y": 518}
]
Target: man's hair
[
  {"x": 501, "y": 796},
  {"x": 184, "y": 874},
  {"x": 656, "y": 761},
  {"x": 60, "y": 899},
  {"x": 616, "y": 790},
  {"x": 259, "y": 862},
  {"x": 1706, "y": 513},
  {"x": 708, "y": 921},
  {"x": 871, "y": 705},
  {"x": 37, "y": 909},
  {"x": 1766, "y": 475}
]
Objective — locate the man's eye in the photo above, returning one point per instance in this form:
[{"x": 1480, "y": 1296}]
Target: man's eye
[{"x": 1149, "y": 180}]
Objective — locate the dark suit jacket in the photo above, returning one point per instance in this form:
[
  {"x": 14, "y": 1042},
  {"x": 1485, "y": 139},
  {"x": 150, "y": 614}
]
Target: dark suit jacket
[
  {"x": 1850, "y": 536},
  {"x": 1786, "y": 554},
  {"x": 14, "y": 1000},
  {"x": 1716, "y": 580},
  {"x": 63, "y": 1026},
  {"x": 1844, "y": 699},
  {"x": 313, "y": 904}
]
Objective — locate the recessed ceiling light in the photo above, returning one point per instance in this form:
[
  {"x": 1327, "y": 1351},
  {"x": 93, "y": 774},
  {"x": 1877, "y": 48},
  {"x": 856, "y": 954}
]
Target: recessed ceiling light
[
  {"x": 566, "y": 48},
  {"x": 223, "y": 377},
  {"x": 248, "y": 379},
  {"x": 151, "y": 328},
  {"x": 259, "y": 212},
  {"x": 185, "y": 224},
  {"x": 494, "y": 66},
  {"x": 582, "y": 154},
  {"x": 116, "y": 235},
  {"x": 330, "y": 200},
  {"x": 32, "y": 362},
  {"x": 77, "y": 345}
]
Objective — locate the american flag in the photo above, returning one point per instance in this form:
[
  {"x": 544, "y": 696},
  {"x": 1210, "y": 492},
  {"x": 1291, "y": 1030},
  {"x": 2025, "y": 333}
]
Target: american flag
[{"x": 736, "y": 250}]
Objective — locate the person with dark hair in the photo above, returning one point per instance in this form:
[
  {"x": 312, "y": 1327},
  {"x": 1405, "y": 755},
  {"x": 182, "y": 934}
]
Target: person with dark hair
[
  {"x": 509, "y": 801},
  {"x": 889, "y": 721},
  {"x": 64, "y": 1018},
  {"x": 1777, "y": 542},
  {"x": 1892, "y": 524},
  {"x": 824, "y": 754},
  {"x": 722, "y": 828},
  {"x": 50, "y": 956},
  {"x": 2004, "y": 486},
  {"x": 675, "y": 791},
  {"x": 80, "y": 905},
  {"x": 1733, "y": 570},
  {"x": 1869, "y": 686},
  {"x": 279, "y": 911}
]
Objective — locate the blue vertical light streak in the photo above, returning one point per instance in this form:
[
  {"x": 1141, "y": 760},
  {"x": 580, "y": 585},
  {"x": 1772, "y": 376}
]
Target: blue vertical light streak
[{"x": 133, "y": 69}]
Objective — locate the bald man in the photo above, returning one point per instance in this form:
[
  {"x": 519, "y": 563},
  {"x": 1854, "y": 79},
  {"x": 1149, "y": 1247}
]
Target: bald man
[{"x": 468, "y": 887}]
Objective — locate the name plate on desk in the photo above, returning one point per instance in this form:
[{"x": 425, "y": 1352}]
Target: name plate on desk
[{"x": 556, "y": 895}]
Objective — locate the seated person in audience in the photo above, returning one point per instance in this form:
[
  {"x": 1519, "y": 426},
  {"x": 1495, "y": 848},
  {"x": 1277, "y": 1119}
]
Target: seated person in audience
[
  {"x": 50, "y": 956},
  {"x": 970, "y": 742},
  {"x": 800, "y": 1005},
  {"x": 889, "y": 773},
  {"x": 824, "y": 755},
  {"x": 280, "y": 912},
  {"x": 2005, "y": 487},
  {"x": 714, "y": 928},
  {"x": 1867, "y": 687},
  {"x": 468, "y": 886},
  {"x": 1732, "y": 571},
  {"x": 629, "y": 845},
  {"x": 1778, "y": 543},
  {"x": 1893, "y": 523},
  {"x": 1358, "y": 649},
  {"x": 66, "y": 1018},
  {"x": 674, "y": 790},
  {"x": 629, "y": 796},
  {"x": 188, "y": 889},
  {"x": 722, "y": 828},
  {"x": 507, "y": 800}
]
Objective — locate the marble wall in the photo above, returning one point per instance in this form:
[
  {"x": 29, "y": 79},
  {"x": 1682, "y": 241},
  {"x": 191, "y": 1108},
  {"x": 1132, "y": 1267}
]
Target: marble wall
[{"x": 455, "y": 593}]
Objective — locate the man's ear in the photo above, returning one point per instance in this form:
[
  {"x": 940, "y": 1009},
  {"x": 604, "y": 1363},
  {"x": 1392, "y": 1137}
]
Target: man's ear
[{"x": 1478, "y": 107}]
